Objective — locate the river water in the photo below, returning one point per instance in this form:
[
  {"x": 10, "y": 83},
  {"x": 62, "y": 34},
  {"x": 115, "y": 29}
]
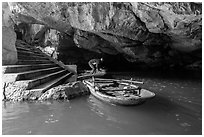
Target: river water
[{"x": 176, "y": 109}]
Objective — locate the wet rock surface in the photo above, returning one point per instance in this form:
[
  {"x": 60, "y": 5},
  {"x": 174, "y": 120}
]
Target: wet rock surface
[
  {"x": 16, "y": 91},
  {"x": 65, "y": 91}
]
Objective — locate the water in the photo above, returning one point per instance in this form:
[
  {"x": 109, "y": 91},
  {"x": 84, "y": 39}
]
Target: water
[{"x": 176, "y": 109}]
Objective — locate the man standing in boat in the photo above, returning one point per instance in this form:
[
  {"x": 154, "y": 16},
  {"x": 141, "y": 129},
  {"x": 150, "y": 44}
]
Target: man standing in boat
[{"x": 95, "y": 65}]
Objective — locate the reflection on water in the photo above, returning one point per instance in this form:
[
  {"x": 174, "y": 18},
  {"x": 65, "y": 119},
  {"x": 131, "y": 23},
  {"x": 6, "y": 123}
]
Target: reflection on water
[
  {"x": 103, "y": 109},
  {"x": 176, "y": 109}
]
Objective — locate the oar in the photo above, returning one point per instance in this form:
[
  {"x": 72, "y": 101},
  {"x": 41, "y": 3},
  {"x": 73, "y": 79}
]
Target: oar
[
  {"x": 120, "y": 89},
  {"x": 133, "y": 81}
]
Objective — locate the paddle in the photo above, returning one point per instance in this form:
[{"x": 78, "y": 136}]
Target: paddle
[
  {"x": 121, "y": 89},
  {"x": 131, "y": 81}
]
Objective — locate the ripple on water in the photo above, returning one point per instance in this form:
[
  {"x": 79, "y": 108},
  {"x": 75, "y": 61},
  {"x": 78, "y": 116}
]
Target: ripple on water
[
  {"x": 177, "y": 117},
  {"x": 185, "y": 124},
  {"x": 29, "y": 132},
  {"x": 51, "y": 119}
]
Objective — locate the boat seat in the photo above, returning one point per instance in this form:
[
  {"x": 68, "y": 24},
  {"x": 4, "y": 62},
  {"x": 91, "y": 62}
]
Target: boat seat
[{"x": 113, "y": 84}]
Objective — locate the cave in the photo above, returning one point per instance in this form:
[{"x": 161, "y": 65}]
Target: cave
[
  {"x": 152, "y": 49},
  {"x": 125, "y": 38}
]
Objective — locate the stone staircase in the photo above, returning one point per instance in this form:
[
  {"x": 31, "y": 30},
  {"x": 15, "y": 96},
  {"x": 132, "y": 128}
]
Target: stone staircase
[{"x": 35, "y": 68}]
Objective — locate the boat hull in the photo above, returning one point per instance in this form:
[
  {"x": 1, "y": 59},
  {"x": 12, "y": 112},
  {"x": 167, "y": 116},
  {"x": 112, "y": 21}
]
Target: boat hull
[{"x": 132, "y": 100}]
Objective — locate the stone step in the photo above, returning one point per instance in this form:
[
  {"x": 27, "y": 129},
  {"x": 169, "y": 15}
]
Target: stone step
[
  {"x": 29, "y": 53},
  {"x": 25, "y": 46},
  {"x": 20, "y": 57},
  {"x": 24, "y": 62},
  {"x": 20, "y": 42},
  {"x": 52, "y": 83},
  {"x": 28, "y": 49},
  {"x": 29, "y": 75},
  {"x": 45, "y": 78},
  {"x": 35, "y": 73},
  {"x": 22, "y": 68}
]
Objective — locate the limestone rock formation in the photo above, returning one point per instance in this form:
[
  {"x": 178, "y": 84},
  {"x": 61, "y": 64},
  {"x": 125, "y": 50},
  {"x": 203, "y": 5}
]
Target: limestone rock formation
[
  {"x": 15, "y": 91},
  {"x": 66, "y": 91},
  {"x": 9, "y": 52},
  {"x": 150, "y": 32},
  {"x": 181, "y": 21}
]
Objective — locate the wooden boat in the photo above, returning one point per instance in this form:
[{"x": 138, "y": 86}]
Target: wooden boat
[
  {"x": 121, "y": 92},
  {"x": 87, "y": 74}
]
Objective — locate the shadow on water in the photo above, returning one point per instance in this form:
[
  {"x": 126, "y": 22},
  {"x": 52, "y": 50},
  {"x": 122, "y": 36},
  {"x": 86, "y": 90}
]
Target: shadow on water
[{"x": 159, "y": 74}]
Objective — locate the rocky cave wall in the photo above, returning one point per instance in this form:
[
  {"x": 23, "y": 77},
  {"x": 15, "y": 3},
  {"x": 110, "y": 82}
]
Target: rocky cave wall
[
  {"x": 9, "y": 53},
  {"x": 151, "y": 33}
]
